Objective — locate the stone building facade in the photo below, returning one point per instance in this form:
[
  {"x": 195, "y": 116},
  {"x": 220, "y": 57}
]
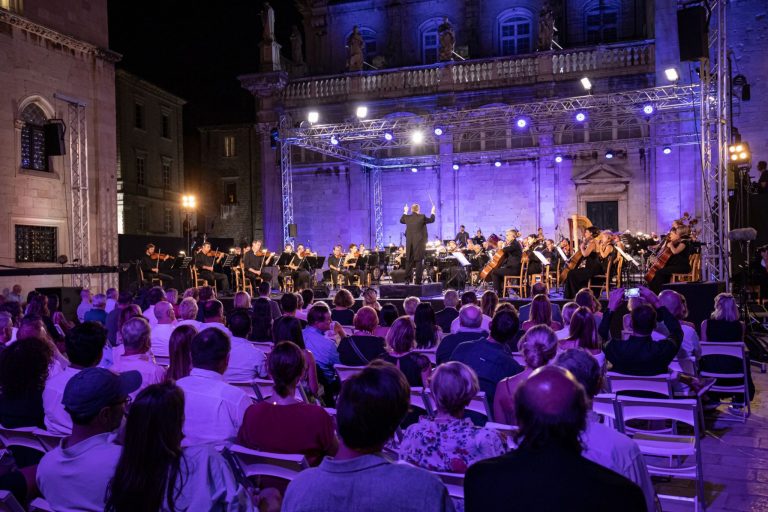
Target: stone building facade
[
  {"x": 150, "y": 170},
  {"x": 55, "y": 65}
]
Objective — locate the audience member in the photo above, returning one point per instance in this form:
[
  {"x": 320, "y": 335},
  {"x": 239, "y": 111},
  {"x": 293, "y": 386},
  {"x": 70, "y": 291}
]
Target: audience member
[
  {"x": 428, "y": 333},
  {"x": 213, "y": 315},
  {"x": 188, "y": 310},
  {"x": 164, "y": 326},
  {"x": 586, "y": 298},
  {"x": 690, "y": 350},
  {"x": 289, "y": 303},
  {"x": 98, "y": 311},
  {"x": 490, "y": 357},
  {"x": 124, "y": 300},
  {"x": 75, "y": 474},
  {"x": 289, "y": 329},
  {"x": 371, "y": 298},
  {"x": 156, "y": 294},
  {"x": 261, "y": 320},
  {"x": 172, "y": 296},
  {"x": 469, "y": 298},
  {"x": 539, "y": 347},
  {"x": 85, "y": 346},
  {"x": 409, "y": 306},
  {"x": 551, "y": 411},
  {"x": 449, "y": 313},
  {"x": 154, "y": 472},
  {"x": 246, "y": 362},
  {"x": 322, "y": 347},
  {"x": 84, "y": 306},
  {"x": 112, "y": 297},
  {"x": 6, "y": 329},
  {"x": 603, "y": 444},
  {"x": 583, "y": 334},
  {"x": 242, "y": 300},
  {"x": 130, "y": 311},
  {"x": 401, "y": 342},
  {"x": 568, "y": 310},
  {"x": 449, "y": 442},
  {"x": 136, "y": 355},
  {"x": 362, "y": 346},
  {"x": 264, "y": 291},
  {"x": 191, "y": 292},
  {"x": 308, "y": 299},
  {"x": 470, "y": 329},
  {"x": 387, "y": 317},
  {"x": 15, "y": 294},
  {"x": 342, "y": 303},
  {"x": 213, "y": 409},
  {"x": 541, "y": 314},
  {"x": 179, "y": 349},
  {"x": 371, "y": 406},
  {"x": 539, "y": 288}
]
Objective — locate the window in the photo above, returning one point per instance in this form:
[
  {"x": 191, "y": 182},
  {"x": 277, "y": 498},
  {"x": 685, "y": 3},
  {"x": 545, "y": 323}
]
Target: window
[
  {"x": 369, "y": 37},
  {"x": 12, "y": 5},
  {"x": 140, "y": 170},
  {"x": 33, "y": 155},
  {"x": 165, "y": 123},
  {"x": 166, "y": 174},
  {"x": 36, "y": 244},
  {"x": 138, "y": 116},
  {"x": 168, "y": 220},
  {"x": 142, "y": 218},
  {"x": 430, "y": 41},
  {"x": 230, "y": 193},
  {"x": 229, "y": 146},
  {"x": 602, "y": 22},
  {"x": 515, "y": 34}
]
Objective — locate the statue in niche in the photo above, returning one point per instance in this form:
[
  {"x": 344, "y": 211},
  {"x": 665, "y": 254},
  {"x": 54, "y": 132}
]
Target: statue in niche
[
  {"x": 268, "y": 23},
  {"x": 447, "y": 40},
  {"x": 355, "y": 48},
  {"x": 297, "y": 54},
  {"x": 546, "y": 28}
]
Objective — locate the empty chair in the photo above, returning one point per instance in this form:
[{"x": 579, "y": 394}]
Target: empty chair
[
  {"x": 257, "y": 463},
  {"x": 346, "y": 372},
  {"x": 454, "y": 483},
  {"x": 738, "y": 382},
  {"x": 9, "y": 503}
]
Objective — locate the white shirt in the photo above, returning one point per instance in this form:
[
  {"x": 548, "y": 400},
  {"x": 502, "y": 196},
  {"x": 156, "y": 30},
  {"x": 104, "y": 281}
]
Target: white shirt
[
  {"x": 149, "y": 314},
  {"x": 111, "y": 303},
  {"x": 485, "y": 325},
  {"x": 563, "y": 333},
  {"x": 75, "y": 478},
  {"x": 302, "y": 314},
  {"x": 218, "y": 325},
  {"x": 159, "y": 338},
  {"x": 617, "y": 452},
  {"x": 194, "y": 323},
  {"x": 213, "y": 409},
  {"x": 57, "y": 420},
  {"x": 246, "y": 362},
  {"x": 82, "y": 309},
  {"x": 151, "y": 373}
]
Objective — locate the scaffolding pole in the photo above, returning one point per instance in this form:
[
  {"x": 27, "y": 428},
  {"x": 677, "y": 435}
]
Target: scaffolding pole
[
  {"x": 80, "y": 203},
  {"x": 378, "y": 207},
  {"x": 286, "y": 171}
]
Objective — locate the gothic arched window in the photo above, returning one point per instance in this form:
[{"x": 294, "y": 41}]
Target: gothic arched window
[{"x": 33, "y": 155}]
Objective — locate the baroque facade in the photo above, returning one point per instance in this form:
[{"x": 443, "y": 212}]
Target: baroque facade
[{"x": 55, "y": 68}]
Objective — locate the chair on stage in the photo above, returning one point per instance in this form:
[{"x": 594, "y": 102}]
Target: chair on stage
[
  {"x": 602, "y": 282},
  {"x": 200, "y": 281},
  {"x": 517, "y": 283},
  {"x": 153, "y": 281},
  {"x": 694, "y": 275}
]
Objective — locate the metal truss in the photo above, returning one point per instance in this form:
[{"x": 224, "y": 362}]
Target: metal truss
[
  {"x": 286, "y": 175},
  {"x": 378, "y": 209},
  {"x": 80, "y": 202},
  {"x": 715, "y": 137}
]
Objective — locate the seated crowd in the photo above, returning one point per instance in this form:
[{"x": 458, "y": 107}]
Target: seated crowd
[{"x": 147, "y": 392}]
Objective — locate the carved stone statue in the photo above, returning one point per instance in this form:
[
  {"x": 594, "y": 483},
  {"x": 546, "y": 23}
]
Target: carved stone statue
[
  {"x": 355, "y": 49},
  {"x": 268, "y": 23},
  {"x": 447, "y": 40},
  {"x": 546, "y": 28},
  {"x": 297, "y": 55}
]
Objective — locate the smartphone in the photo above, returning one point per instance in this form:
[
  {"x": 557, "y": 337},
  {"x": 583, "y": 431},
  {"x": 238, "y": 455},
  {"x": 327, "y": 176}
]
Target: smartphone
[{"x": 631, "y": 293}]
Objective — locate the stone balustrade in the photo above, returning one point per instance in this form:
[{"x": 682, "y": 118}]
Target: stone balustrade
[{"x": 598, "y": 61}]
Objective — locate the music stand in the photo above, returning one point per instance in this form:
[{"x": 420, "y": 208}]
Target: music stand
[
  {"x": 228, "y": 260},
  {"x": 285, "y": 259}
]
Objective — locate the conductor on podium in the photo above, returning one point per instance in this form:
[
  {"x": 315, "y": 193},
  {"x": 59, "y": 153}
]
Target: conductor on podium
[{"x": 415, "y": 240}]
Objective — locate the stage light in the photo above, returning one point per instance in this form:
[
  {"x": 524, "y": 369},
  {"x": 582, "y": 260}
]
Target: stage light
[
  {"x": 362, "y": 112},
  {"x": 581, "y": 117},
  {"x": 438, "y": 131},
  {"x": 558, "y": 159},
  {"x": 609, "y": 154},
  {"x": 740, "y": 153},
  {"x": 334, "y": 140},
  {"x": 667, "y": 150},
  {"x": 586, "y": 83},
  {"x": 388, "y": 136},
  {"x": 313, "y": 117},
  {"x": 521, "y": 122},
  {"x": 648, "y": 110},
  {"x": 413, "y": 169},
  {"x": 455, "y": 167},
  {"x": 671, "y": 74},
  {"x": 497, "y": 163},
  {"x": 417, "y": 136}
]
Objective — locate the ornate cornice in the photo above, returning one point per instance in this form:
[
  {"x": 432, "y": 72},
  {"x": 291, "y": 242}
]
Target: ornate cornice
[
  {"x": 58, "y": 38},
  {"x": 264, "y": 84}
]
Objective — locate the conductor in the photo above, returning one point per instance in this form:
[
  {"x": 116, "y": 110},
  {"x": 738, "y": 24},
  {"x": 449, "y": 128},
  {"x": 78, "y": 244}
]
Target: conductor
[{"x": 415, "y": 240}]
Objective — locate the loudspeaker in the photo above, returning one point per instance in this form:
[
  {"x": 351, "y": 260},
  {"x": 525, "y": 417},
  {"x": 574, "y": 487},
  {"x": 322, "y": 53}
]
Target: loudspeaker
[
  {"x": 69, "y": 299},
  {"x": 292, "y": 230},
  {"x": 354, "y": 289},
  {"x": 692, "y": 33},
  {"x": 700, "y": 298},
  {"x": 321, "y": 291},
  {"x": 54, "y": 139}
]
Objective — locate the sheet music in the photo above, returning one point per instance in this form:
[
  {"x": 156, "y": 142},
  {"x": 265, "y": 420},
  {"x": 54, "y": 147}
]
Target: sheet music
[
  {"x": 463, "y": 261},
  {"x": 626, "y": 256},
  {"x": 561, "y": 253},
  {"x": 544, "y": 261}
]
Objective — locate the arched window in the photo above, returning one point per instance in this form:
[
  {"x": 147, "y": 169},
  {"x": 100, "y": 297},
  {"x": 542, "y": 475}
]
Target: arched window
[
  {"x": 515, "y": 32},
  {"x": 602, "y": 22},
  {"x": 430, "y": 40},
  {"x": 33, "y": 155}
]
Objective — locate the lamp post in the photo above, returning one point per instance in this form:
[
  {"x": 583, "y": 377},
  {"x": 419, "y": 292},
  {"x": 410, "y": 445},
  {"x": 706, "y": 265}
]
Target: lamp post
[{"x": 188, "y": 204}]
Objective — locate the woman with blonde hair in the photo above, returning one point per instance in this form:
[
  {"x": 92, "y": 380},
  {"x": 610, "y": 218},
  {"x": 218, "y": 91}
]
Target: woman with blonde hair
[
  {"x": 449, "y": 442},
  {"x": 401, "y": 343},
  {"x": 541, "y": 314},
  {"x": 539, "y": 347},
  {"x": 567, "y": 313}
]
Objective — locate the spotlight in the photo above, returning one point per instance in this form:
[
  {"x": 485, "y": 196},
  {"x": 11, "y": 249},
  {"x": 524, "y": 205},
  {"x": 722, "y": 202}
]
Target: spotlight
[
  {"x": 497, "y": 163},
  {"x": 609, "y": 154},
  {"x": 313, "y": 117},
  {"x": 438, "y": 131},
  {"x": 671, "y": 74},
  {"x": 740, "y": 153},
  {"x": 586, "y": 84},
  {"x": 413, "y": 169},
  {"x": 648, "y": 110},
  {"x": 558, "y": 159},
  {"x": 581, "y": 117},
  {"x": 387, "y": 136},
  {"x": 522, "y": 123},
  {"x": 362, "y": 112},
  {"x": 417, "y": 137},
  {"x": 667, "y": 150},
  {"x": 334, "y": 140},
  {"x": 455, "y": 167}
]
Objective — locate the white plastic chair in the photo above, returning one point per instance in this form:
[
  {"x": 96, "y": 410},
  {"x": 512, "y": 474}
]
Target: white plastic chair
[
  {"x": 261, "y": 389},
  {"x": 40, "y": 505},
  {"x": 685, "y": 450},
  {"x": 738, "y": 351},
  {"x": 420, "y": 399},
  {"x": 518, "y": 356},
  {"x": 346, "y": 372},
  {"x": 478, "y": 404},
  {"x": 453, "y": 482},
  {"x": 164, "y": 361},
  {"x": 507, "y": 433},
  {"x": 8, "y": 502},
  {"x": 258, "y": 463},
  {"x": 431, "y": 354},
  {"x": 660, "y": 385},
  {"x": 604, "y": 404},
  {"x": 29, "y": 437},
  {"x": 264, "y": 346}
]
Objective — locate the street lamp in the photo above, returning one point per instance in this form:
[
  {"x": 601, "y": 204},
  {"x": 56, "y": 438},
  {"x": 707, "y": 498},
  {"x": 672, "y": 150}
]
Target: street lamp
[{"x": 188, "y": 203}]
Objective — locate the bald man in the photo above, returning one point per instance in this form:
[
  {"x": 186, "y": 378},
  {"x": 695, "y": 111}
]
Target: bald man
[
  {"x": 161, "y": 332},
  {"x": 547, "y": 472},
  {"x": 415, "y": 240},
  {"x": 470, "y": 329}
]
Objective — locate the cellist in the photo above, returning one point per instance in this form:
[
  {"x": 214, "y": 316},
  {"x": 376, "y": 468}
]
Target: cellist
[
  {"x": 679, "y": 248},
  {"x": 510, "y": 265},
  {"x": 579, "y": 277}
]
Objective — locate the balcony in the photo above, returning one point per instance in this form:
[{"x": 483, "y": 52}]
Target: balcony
[{"x": 619, "y": 59}]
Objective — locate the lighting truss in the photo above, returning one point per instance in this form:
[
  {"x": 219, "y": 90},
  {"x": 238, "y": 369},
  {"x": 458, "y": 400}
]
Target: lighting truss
[
  {"x": 286, "y": 175},
  {"x": 80, "y": 202}
]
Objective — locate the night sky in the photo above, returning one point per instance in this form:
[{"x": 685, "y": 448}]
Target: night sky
[{"x": 196, "y": 50}]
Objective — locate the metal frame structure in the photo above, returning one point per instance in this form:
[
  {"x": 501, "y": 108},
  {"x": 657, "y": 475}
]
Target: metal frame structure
[
  {"x": 80, "y": 205},
  {"x": 286, "y": 176}
]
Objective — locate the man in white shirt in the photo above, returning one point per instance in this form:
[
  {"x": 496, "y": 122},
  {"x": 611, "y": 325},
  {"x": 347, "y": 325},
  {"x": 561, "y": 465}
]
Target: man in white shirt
[
  {"x": 15, "y": 294},
  {"x": 213, "y": 409},
  {"x": 136, "y": 355},
  {"x": 155, "y": 295},
  {"x": 165, "y": 323},
  {"x": 246, "y": 362},
  {"x": 213, "y": 316},
  {"x": 188, "y": 313},
  {"x": 74, "y": 476},
  {"x": 85, "y": 346},
  {"x": 602, "y": 444},
  {"x": 85, "y": 305},
  {"x": 111, "y": 300}
]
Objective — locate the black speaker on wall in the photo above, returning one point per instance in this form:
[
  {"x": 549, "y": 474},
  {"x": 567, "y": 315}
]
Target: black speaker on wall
[
  {"x": 692, "y": 33},
  {"x": 292, "y": 230},
  {"x": 53, "y": 133}
]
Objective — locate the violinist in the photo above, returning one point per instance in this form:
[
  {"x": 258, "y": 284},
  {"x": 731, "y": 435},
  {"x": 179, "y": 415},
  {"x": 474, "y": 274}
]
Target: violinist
[
  {"x": 351, "y": 264},
  {"x": 531, "y": 244},
  {"x": 297, "y": 268},
  {"x": 578, "y": 278},
  {"x": 510, "y": 266},
  {"x": 679, "y": 246},
  {"x": 204, "y": 261},
  {"x": 253, "y": 262},
  {"x": 336, "y": 269},
  {"x": 150, "y": 265}
]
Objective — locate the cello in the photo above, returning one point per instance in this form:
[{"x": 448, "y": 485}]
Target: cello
[{"x": 495, "y": 262}]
